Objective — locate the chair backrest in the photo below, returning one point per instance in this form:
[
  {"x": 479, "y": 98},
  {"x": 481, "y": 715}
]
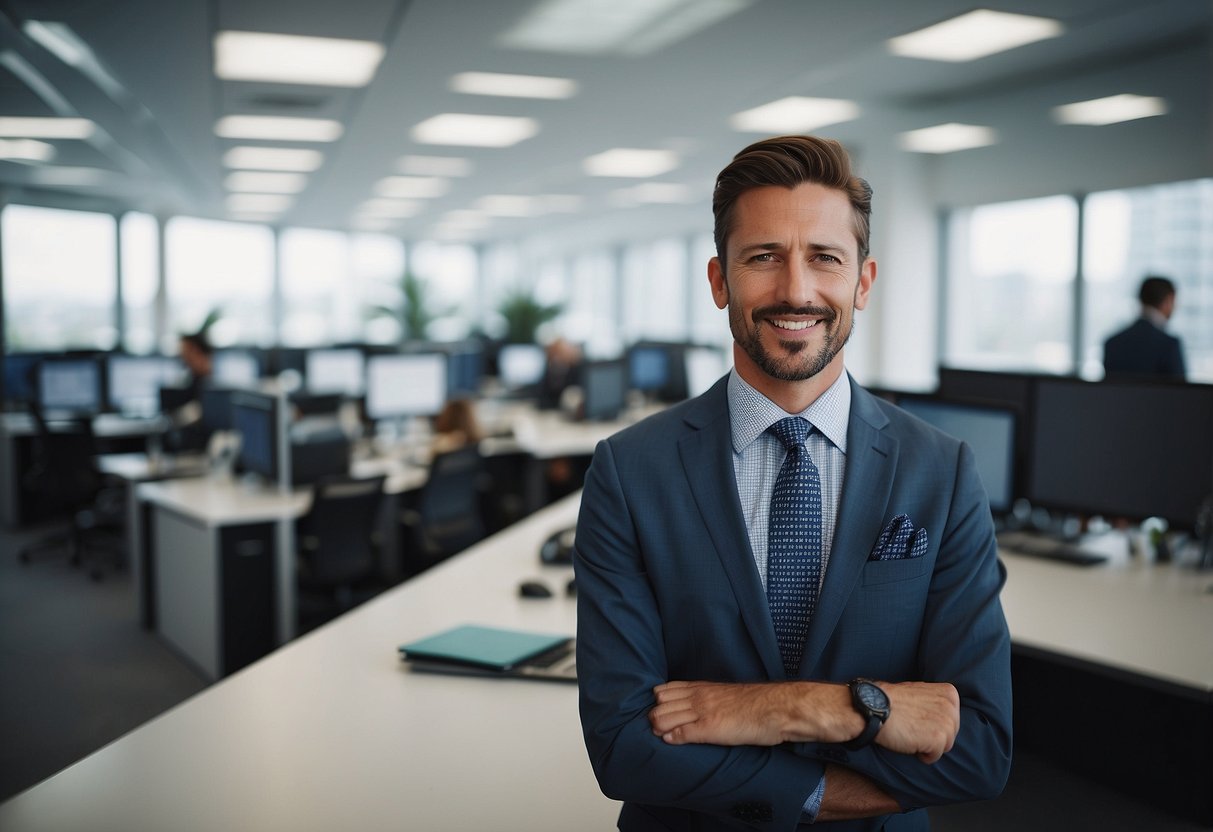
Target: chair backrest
[
  {"x": 449, "y": 505},
  {"x": 63, "y": 470},
  {"x": 336, "y": 539}
]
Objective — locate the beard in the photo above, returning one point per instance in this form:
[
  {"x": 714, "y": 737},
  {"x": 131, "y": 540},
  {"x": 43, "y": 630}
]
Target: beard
[{"x": 799, "y": 362}]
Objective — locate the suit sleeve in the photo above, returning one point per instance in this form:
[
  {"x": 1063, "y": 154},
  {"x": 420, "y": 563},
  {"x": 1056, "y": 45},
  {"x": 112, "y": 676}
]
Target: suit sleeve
[
  {"x": 964, "y": 641},
  {"x": 621, "y": 658}
]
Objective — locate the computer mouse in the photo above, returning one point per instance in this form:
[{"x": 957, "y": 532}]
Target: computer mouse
[{"x": 534, "y": 589}]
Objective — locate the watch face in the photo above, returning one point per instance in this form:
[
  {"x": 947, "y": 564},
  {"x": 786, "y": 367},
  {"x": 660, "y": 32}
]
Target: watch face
[{"x": 872, "y": 697}]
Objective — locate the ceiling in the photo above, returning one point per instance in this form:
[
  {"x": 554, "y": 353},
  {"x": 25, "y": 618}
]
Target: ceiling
[{"x": 156, "y": 149}]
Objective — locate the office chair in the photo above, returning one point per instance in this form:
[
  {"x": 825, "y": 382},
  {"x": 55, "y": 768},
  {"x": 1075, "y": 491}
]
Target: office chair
[
  {"x": 448, "y": 516},
  {"x": 338, "y": 544},
  {"x": 64, "y": 477}
]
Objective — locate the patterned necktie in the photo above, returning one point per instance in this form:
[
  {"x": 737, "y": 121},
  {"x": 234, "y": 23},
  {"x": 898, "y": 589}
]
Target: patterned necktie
[{"x": 794, "y": 550}]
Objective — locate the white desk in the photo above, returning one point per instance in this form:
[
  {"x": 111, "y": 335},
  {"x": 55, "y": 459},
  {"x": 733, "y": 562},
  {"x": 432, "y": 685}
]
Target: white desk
[{"x": 333, "y": 732}]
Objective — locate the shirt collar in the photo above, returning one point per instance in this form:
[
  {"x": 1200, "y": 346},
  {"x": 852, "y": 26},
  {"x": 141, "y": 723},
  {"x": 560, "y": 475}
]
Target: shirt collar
[
  {"x": 751, "y": 413},
  {"x": 1154, "y": 316}
]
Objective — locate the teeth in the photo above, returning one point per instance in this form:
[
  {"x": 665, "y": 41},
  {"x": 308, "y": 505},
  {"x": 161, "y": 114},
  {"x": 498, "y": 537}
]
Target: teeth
[{"x": 793, "y": 325}]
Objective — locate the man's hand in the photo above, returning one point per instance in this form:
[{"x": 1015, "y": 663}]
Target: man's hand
[{"x": 923, "y": 719}]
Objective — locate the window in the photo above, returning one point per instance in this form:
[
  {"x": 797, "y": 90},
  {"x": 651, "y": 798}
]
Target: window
[
  {"x": 1130, "y": 234},
  {"x": 654, "y": 291},
  {"x": 225, "y": 267},
  {"x": 378, "y": 263},
  {"x": 590, "y": 317},
  {"x": 1011, "y": 270},
  {"x": 60, "y": 282},
  {"x": 448, "y": 273},
  {"x": 320, "y": 304},
  {"x": 709, "y": 325},
  {"x": 140, "y": 277}
]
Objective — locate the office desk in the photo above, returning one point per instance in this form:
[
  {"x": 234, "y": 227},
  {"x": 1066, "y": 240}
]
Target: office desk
[{"x": 333, "y": 732}]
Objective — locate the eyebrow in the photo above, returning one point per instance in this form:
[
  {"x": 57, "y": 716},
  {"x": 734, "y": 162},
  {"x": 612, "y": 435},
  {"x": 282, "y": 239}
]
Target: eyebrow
[{"x": 828, "y": 248}]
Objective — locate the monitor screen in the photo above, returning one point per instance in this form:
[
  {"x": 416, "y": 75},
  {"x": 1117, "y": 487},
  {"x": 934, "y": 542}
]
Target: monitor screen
[
  {"x": 19, "y": 381},
  {"x": 69, "y": 385},
  {"x": 1122, "y": 449},
  {"x": 133, "y": 382},
  {"x": 704, "y": 367},
  {"x": 521, "y": 365},
  {"x": 648, "y": 368},
  {"x": 216, "y": 408},
  {"x": 235, "y": 368},
  {"x": 464, "y": 368},
  {"x": 412, "y": 384},
  {"x": 988, "y": 431},
  {"x": 254, "y": 416},
  {"x": 335, "y": 371},
  {"x": 605, "y": 385}
]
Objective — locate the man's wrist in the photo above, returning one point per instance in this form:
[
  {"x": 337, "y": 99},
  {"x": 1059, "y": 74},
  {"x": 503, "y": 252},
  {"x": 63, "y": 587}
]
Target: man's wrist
[{"x": 818, "y": 712}]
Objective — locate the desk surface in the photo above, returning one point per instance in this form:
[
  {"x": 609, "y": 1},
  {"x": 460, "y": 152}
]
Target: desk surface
[{"x": 333, "y": 732}]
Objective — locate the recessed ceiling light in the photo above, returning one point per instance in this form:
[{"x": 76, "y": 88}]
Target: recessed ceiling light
[
  {"x": 475, "y": 130},
  {"x": 279, "y": 128},
  {"x": 258, "y": 203},
  {"x": 412, "y": 187},
  {"x": 292, "y": 59},
  {"x": 464, "y": 218},
  {"x": 266, "y": 183},
  {"x": 631, "y": 162},
  {"x": 434, "y": 166},
  {"x": 947, "y": 138},
  {"x": 507, "y": 205},
  {"x": 273, "y": 158},
  {"x": 974, "y": 35},
  {"x": 560, "y": 203},
  {"x": 1110, "y": 110},
  {"x": 46, "y": 128},
  {"x": 26, "y": 150},
  {"x": 795, "y": 114},
  {"x": 253, "y": 216},
  {"x": 653, "y": 193},
  {"x": 394, "y": 208},
  {"x": 513, "y": 86}
]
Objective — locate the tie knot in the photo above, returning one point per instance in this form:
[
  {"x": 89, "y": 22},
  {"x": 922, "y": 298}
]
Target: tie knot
[{"x": 791, "y": 431}]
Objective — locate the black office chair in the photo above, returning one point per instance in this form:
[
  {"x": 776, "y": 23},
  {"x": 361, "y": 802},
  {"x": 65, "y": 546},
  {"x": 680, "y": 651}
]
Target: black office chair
[
  {"x": 338, "y": 543},
  {"x": 64, "y": 478},
  {"x": 448, "y": 517}
]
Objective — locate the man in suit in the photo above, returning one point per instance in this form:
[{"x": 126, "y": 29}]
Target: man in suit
[
  {"x": 729, "y": 679},
  {"x": 1144, "y": 348}
]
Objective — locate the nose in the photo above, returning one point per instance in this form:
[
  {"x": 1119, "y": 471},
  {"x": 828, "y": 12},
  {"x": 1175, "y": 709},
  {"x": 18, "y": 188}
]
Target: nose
[{"x": 799, "y": 284}]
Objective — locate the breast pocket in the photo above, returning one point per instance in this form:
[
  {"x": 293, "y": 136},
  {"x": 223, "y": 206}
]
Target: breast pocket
[{"x": 891, "y": 571}]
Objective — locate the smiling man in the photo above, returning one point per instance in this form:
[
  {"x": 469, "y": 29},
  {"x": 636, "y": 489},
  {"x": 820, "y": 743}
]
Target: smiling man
[{"x": 788, "y": 589}]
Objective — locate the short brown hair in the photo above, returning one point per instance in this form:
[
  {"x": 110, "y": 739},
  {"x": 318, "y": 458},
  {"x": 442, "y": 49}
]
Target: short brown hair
[{"x": 788, "y": 161}]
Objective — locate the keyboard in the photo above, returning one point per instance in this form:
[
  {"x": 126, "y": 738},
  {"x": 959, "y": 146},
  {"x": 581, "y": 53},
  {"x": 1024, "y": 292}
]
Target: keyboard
[{"x": 1049, "y": 549}]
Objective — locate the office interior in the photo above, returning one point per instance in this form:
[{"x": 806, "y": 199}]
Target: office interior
[{"x": 356, "y": 283}]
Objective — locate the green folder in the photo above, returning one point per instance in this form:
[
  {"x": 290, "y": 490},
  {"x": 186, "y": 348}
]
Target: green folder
[{"x": 493, "y": 648}]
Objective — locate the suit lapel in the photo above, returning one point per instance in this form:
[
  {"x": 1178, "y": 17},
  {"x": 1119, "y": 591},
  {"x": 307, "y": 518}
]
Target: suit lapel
[
  {"x": 707, "y": 459},
  {"x": 870, "y": 465}
]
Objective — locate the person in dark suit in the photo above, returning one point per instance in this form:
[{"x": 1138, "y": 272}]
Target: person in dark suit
[
  {"x": 710, "y": 698},
  {"x": 1144, "y": 348}
]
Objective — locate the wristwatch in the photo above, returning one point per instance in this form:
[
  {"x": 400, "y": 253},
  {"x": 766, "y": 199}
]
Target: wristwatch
[{"x": 873, "y": 706}]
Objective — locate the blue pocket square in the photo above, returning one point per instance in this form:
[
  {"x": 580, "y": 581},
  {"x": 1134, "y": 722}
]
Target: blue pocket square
[{"x": 900, "y": 540}]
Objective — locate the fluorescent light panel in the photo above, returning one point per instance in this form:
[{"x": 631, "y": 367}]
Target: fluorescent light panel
[
  {"x": 653, "y": 193},
  {"x": 631, "y": 162},
  {"x": 279, "y": 128},
  {"x": 46, "y": 128},
  {"x": 1110, "y": 110},
  {"x": 948, "y": 138},
  {"x": 795, "y": 114},
  {"x": 273, "y": 158},
  {"x": 393, "y": 208},
  {"x": 434, "y": 166},
  {"x": 258, "y": 203},
  {"x": 249, "y": 181},
  {"x": 26, "y": 150},
  {"x": 513, "y": 86},
  {"x": 470, "y": 130},
  {"x": 293, "y": 59},
  {"x": 974, "y": 35},
  {"x": 412, "y": 187}
]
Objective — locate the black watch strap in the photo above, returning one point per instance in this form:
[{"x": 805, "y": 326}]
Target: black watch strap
[
  {"x": 873, "y": 705},
  {"x": 866, "y": 736}
]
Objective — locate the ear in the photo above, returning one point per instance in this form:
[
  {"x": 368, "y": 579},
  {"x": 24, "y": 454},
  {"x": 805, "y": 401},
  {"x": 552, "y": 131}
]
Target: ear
[
  {"x": 720, "y": 288},
  {"x": 867, "y": 276}
]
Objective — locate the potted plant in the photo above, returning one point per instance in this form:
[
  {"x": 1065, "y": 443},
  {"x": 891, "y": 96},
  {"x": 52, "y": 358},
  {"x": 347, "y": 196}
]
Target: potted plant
[{"x": 524, "y": 315}]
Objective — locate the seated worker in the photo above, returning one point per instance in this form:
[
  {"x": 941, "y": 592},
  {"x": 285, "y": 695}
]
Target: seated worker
[
  {"x": 1144, "y": 348},
  {"x": 562, "y": 370},
  {"x": 187, "y": 432},
  {"x": 455, "y": 426}
]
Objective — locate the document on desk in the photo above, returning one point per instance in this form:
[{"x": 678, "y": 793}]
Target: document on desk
[{"x": 494, "y": 651}]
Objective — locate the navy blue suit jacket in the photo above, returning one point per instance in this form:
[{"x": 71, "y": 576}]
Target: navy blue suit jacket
[
  {"x": 1142, "y": 349},
  {"x": 668, "y": 590}
]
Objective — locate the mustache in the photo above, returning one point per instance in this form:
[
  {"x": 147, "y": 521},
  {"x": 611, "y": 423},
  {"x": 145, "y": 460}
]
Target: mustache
[{"x": 785, "y": 310}]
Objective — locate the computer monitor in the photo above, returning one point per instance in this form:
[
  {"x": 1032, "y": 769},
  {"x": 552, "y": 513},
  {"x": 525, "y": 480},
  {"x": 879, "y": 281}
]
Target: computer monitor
[
  {"x": 703, "y": 367},
  {"x": 216, "y": 405},
  {"x": 335, "y": 371},
  {"x": 69, "y": 386},
  {"x": 988, "y": 431},
  {"x": 521, "y": 365},
  {"x": 255, "y": 417},
  {"x": 133, "y": 382},
  {"x": 235, "y": 368},
  {"x": 648, "y": 368},
  {"x": 605, "y": 385},
  {"x": 404, "y": 385},
  {"x": 20, "y": 384},
  {"x": 1122, "y": 449},
  {"x": 465, "y": 367}
]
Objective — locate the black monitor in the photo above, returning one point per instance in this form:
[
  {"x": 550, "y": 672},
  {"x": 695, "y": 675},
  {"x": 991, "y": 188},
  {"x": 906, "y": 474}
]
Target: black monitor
[
  {"x": 20, "y": 385},
  {"x": 465, "y": 367},
  {"x": 133, "y": 382},
  {"x": 521, "y": 365},
  {"x": 404, "y": 385},
  {"x": 605, "y": 385},
  {"x": 338, "y": 371},
  {"x": 68, "y": 386},
  {"x": 988, "y": 431},
  {"x": 1122, "y": 449},
  {"x": 234, "y": 367},
  {"x": 648, "y": 368},
  {"x": 216, "y": 405},
  {"x": 255, "y": 417}
]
